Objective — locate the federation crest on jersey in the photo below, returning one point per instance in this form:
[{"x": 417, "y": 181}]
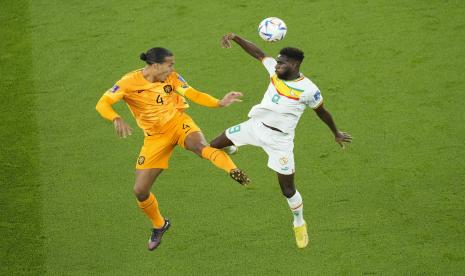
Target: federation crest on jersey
[
  {"x": 114, "y": 88},
  {"x": 168, "y": 88},
  {"x": 141, "y": 160},
  {"x": 283, "y": 160}
]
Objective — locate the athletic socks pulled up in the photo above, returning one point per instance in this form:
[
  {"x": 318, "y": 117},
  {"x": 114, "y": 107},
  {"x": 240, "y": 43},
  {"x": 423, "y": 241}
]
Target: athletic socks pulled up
[{"x": 297, "y": 208}]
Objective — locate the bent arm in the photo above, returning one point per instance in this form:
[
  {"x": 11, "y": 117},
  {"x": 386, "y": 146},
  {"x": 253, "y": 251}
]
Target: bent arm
[
  {"x": 199, "y": 98},
  {"x": 249, "y": 47},
  {"x": 104, "y": 108}
]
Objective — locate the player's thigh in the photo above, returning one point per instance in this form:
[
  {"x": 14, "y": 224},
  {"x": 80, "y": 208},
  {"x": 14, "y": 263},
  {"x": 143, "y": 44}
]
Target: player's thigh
[
  {"x": 188, "y": 134},
  {"x": 156, "y": 152},
  {"x": 279, "y": 149},
  {"x": 243, "y": 134},
  {"x": 144, "y": 181}
]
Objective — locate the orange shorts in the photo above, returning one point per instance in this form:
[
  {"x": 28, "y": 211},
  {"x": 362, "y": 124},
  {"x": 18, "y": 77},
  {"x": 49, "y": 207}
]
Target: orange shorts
[{"x": 157, "y": 148}]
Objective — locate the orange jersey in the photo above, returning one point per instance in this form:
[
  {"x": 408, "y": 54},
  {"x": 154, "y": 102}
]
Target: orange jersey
[{"x": 152, "y": 104}]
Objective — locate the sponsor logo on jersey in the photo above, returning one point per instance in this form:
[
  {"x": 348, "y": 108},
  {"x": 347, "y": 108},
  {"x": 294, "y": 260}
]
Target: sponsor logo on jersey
[{"x": 114, "y": 88}]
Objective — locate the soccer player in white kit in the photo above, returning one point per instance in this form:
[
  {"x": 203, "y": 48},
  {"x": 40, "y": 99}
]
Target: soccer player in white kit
[{"x": 272, "y": 123}]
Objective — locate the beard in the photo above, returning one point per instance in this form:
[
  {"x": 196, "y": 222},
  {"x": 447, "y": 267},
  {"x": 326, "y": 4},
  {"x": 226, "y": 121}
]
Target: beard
[{"x": 284, "y": 76}]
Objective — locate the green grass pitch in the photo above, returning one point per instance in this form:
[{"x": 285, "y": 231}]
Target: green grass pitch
[{"x": 392, "y": 203}]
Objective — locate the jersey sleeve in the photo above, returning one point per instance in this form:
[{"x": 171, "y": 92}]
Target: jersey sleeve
[
  {"x": 269, "y": 64},
  {"x": 117, "y": 92},
  {"x": 201, "y": 98},
  {"x": 110, "y": 97},
  {"x": 312, "y": 98}
]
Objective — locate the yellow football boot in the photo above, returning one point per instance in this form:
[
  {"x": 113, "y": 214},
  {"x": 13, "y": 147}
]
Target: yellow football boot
[{"x": 301, "y": 236}]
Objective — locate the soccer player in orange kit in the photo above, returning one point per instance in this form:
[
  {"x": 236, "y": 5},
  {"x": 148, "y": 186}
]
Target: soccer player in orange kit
[{"x": 155, "y": 95}]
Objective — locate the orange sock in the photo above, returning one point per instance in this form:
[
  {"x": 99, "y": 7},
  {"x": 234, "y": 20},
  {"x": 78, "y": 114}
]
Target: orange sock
[
  {"x": 219, "y": 158},
  {"x": 150, "y": 208}
]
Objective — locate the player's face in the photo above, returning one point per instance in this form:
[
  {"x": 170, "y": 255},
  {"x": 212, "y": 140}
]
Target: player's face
[
  {"x": 162, "y": 70},
  {"x": 285, "y": 68}
]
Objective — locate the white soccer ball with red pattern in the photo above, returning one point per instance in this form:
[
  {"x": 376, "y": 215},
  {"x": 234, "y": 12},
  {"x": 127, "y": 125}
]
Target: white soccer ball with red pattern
[{"x": 272, "y": 29}]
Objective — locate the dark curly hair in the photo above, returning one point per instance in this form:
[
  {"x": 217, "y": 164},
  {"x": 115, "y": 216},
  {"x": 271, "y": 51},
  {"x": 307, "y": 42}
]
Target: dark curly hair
[{"x": 292, "y": 53}]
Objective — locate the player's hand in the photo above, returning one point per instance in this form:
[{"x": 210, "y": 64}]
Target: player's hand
[
  {"x": 123, "y": 130},
  {"x": 231, "y": 97},
  {"x": 226, "y": 40},
  {"x": 343, "y": 137}
]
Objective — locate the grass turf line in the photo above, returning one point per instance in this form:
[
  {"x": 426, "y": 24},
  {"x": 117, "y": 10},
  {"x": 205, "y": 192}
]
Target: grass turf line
[{"x": 21, "y": 250}]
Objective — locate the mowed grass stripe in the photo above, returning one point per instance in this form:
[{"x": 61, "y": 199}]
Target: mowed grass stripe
[{"x": 21, "y": 250}]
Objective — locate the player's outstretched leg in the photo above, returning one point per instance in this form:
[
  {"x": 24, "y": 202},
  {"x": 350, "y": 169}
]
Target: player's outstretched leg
[
  {"x": 294, "y": 199},
  {"x": 196, "y": 142},
  {"x": 220, "y": 159},
  {"x": 222, "y": 142}
]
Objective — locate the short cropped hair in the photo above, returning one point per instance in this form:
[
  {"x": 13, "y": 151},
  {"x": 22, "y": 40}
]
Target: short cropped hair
[
  {"x": 292, "y": 53},
  {"x": 156, "y": 55}
]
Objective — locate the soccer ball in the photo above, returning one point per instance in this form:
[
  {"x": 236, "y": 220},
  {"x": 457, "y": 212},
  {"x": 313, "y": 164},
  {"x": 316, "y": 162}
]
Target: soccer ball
[{"x": 272, "y": 29}]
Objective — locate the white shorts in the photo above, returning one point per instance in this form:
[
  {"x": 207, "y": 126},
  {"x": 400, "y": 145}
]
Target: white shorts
[{"x": 279, "y": 146}]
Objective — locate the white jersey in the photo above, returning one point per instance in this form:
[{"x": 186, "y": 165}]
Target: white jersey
[{"x": 285, "y": 101}]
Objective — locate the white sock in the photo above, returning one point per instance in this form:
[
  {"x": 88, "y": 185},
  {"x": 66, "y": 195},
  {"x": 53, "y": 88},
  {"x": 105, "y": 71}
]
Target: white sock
[{"x": 297, "y": 208}]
